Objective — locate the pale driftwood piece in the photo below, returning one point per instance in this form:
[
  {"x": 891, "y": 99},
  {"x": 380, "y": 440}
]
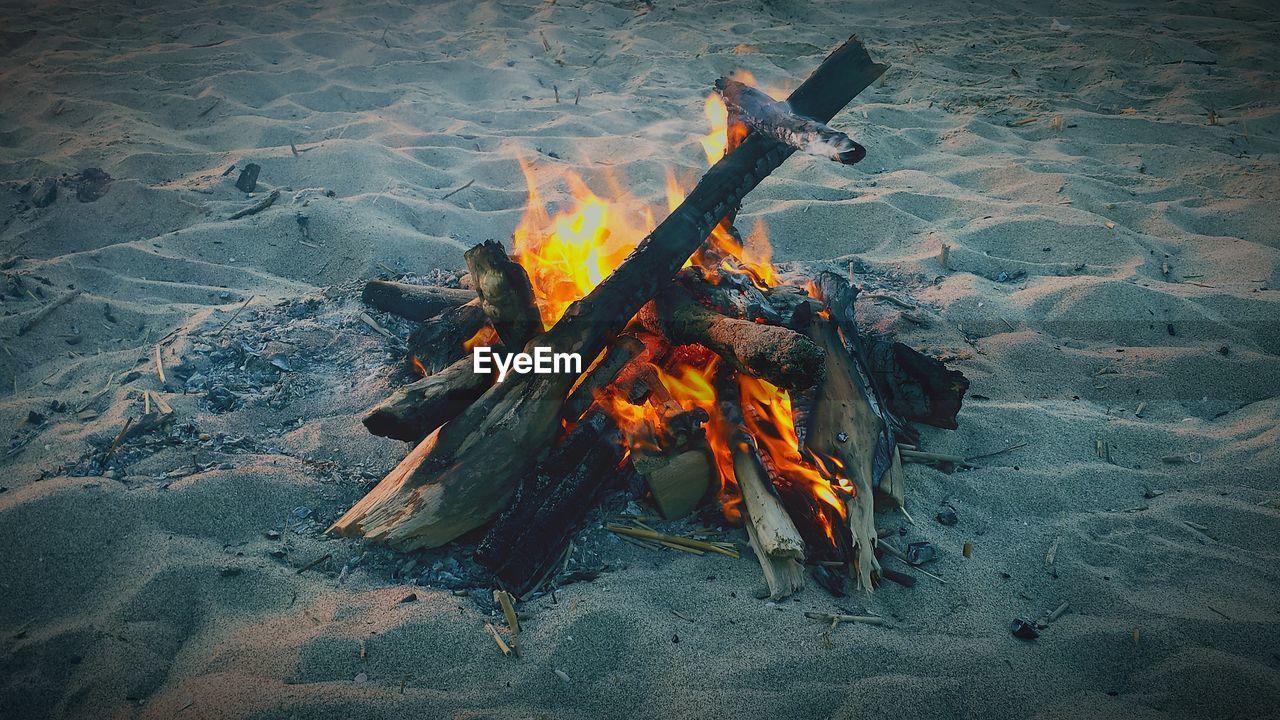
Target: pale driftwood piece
[
  {"x": 893, "y": 484},
  {"x": 783, "y": 575},
  {"x": 776, "y": 120},
  {"x": 837, "y": 618},
  {"x": 770, "y": 352},
  {"x": 439, "y": 341},
  {"x": 775, "y": 532},
  {"x": 267, "y": 201},
  {"x": 464, "y": 473},
  {"x": 47, "y": 310},
  {"x": 413, "y": 302},
  {"x": 843, "y": 426},
  {"x": 678, "y": 482},
  {"x": 413, "y": 411},
  {"x": 506, "y": 295}
]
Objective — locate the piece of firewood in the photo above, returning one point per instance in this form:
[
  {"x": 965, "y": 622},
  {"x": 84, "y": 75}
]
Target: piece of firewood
[
  {"x": 678, "y": 482},
  {"x": 916, "y": 386},
  {"x": 465, "y": 472},
  {"x": 783, "y": 575},
  {"x": 413, "y": 302},
  {"x": 413, "y": 411},
  {"x": 767, "y": 116},
  {"x": 47, "y": 310},
  {"x": 440, "y": 341},
  {"x": 526, "y": 542},
  {"x": 505, "y": 294},
  {"x": 843, "y": 426},
  {"x": 775, "y": 532},
  {"x": 781, "y": 356}
]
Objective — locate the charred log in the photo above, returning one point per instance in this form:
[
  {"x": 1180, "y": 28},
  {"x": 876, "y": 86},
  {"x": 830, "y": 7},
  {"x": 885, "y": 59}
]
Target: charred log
[
  {"x": 440, "y": 341},
  {"x": 528, "y": 540},
  {"x": 777, "y": 120},
  {"x": 413, "y": 302},
  {"x": 916, "y": 386},
  {"x": 414, "y": 410}
]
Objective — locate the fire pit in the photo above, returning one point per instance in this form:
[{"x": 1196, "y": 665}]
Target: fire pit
[{"x": 597, "y": 352}]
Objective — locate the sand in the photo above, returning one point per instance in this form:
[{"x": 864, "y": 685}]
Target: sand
[{"x": 1110, "y": 246}]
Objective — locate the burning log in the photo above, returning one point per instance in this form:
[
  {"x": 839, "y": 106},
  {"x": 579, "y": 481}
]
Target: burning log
[
  {"x": 506, "y": 295},
  {"x": 783, "y": 357},
  {"x": 454, "y": 481},
  {"x": 416, "y": 409},
  {"x": 413, "y": 302},
  {"x": 623, "y": 350},
  {"x": 441, "y": 341},
  {"x": 777, "y": 120},
  {"x": 527, "y": 540}
]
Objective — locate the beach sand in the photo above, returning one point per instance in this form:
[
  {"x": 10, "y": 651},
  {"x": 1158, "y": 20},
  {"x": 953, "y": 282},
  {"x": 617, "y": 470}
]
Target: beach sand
[{"x": 1104, "y": 179}]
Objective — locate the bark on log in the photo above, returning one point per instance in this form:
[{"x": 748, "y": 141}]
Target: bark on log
[
  {"x": 774, "y": 119},
  {"x": 527, "y": 541},
  {"x": 770, "y": 352},
  {"x": 413, "y": 302},
  {"x": 505, "y": 294},
  {"x": 414, "y": 410},
  {"x": 457, "y": 479},
  {"x": 438, "y": 342}
]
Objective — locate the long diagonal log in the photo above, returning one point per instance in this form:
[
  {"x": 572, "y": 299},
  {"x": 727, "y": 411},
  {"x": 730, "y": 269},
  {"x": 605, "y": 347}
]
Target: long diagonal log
[{"x": 464, "y": 473}]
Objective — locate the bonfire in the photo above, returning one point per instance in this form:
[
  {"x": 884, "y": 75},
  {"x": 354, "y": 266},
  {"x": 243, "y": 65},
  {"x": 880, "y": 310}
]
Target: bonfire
[{"x": 730, "y": 388}]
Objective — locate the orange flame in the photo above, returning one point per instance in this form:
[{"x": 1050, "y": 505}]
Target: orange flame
[{"x": 567, "y": 255}]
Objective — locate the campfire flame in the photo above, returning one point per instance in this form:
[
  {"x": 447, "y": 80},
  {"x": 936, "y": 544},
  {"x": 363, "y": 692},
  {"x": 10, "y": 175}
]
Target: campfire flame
[{"x": 567, "y": 254}]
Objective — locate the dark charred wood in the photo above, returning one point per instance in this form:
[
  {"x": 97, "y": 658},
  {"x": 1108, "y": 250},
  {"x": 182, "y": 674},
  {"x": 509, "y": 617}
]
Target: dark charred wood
[
  {"x": 770, "y": 352},
  {"x": 527, "y": 541},
  {"x": 413, "y": 411},
  {"x": 414, "y": 302},
  {"x": 439, "y": 341},
  {"x": 916, "y": 386},
  {"x": 466, "y": 471},
  {"x": 777, "y": 120},
  {"x": 505, "y": 294}
]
